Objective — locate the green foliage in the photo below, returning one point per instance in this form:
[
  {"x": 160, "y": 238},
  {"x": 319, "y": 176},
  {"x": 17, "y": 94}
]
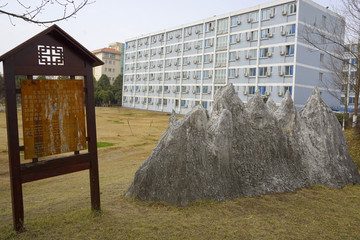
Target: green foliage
[
  {"x": 104, "y": 82},
  {"x": 105, "y": 93},
  {"x": 104, "y": 144}
]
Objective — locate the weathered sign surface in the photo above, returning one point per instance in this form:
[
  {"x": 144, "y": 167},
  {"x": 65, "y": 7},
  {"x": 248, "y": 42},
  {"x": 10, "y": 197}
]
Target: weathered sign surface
[{"x": 53, "y": 116}]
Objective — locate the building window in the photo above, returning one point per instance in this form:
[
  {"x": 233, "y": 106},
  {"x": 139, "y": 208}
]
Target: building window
[
  {"x": 233, "y": 39},
  {"x": 186, "y": 61},
  {"x": 221, "y": 43},
  {"x": 208, "y": 58},
  {"x": 320, "y": 77},
  {"x": 253, "y": 35},
  {"x": 292, "y": 8},
  {"x": 231, "y": 73},
  {"x": 222, "y": 26},
  {"x": 290, "y": 29},
  {"x": 197, "y": 75},
  {"x": 209, "y": 26},
  {"x": 263, "y": 71},
  {"x": 252, "y": 72},
  {"x": 208, "y": 43},
  {"x": 289, "y": 70},
  {"x": 183, "y": 103},
  {"x": 220, "y": 60},
  {"x": 187, "y": 46},
  {"x": 265, "y": 33},
  {"x": 321, "y": 57},
  {"x": 199, "y": 29},
  {"x": 251, "y": 89},
  {"x": 254, "y": 16},
  {"x": 264, "y": 52},
  {"x": 232, "y": 56},
  {"x": 262, "y": 90},
  {"x": 235, "y": 21},
  {"x": 187, "y": 31},
  {"x": 252, "y": 54},
  {"x": 288, "y": 88},
  {"x": 220, "y": 75},
  {"x": 290, "y": 49}
]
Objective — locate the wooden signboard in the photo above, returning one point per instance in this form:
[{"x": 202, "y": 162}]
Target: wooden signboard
[
  {"x": 54, "y": 113},
  {"x": 53, "y": 117}
]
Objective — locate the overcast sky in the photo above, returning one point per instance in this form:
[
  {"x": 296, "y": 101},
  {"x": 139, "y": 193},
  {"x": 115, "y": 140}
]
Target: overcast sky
[{"x": 107, "y": 21}]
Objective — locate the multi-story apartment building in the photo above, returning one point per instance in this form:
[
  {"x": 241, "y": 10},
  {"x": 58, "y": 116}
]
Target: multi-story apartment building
[
  {"x": 350, "y": 71},
  {"x": 113, "y": 58},
  {"x": 258, "y": 48}
]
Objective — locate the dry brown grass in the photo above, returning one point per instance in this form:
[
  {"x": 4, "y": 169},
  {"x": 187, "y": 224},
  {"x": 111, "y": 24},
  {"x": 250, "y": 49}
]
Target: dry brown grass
[{"x": 59, "y": 208}]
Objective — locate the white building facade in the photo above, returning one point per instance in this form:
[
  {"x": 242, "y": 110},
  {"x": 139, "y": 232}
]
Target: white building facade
[{"x": 258, "y": 48}]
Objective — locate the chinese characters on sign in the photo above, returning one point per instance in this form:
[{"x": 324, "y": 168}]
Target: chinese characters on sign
[{"x": 53, "y": 116}]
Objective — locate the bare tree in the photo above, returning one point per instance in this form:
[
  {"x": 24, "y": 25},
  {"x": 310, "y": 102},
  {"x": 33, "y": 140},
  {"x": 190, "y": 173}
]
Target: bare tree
[
  {"x": 33, "y": 12},
  {"x": 338, "y": 40}
]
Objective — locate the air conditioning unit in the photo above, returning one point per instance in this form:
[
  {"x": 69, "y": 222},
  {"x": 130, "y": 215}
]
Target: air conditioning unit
[
  {"x": 246, "y": 74},
  {"x": 133, "y": 45},
  {"x": 248, "y": 20},
  {"x": 144, "y": 90},
  {"x": 247, "y": 56},
  {"x": 168, "y": 78},
  {"x": 185, "y": 106},
  {"x": 196, "y": 46},
  {"x": 210, "y": 60},
  {"x": 174, "y": 90},
  {"x": 197, "y": 31},
  {"x": 211, "y": 44},
  {"x": 248, "y": 38},
  {"x": 236, "y": 75},
  {"x": 151, "y": 90},
  {"x": 188, "y": 47},
  {"x": 281, "y": 73},
  {"x": 271, "y": 15},
  {"x": 211, "y": 28},
  {"x": 238, "y": 22},
  {"x": 210, "y": 76},
  {"x": 238, "y": 40},
  {"x": 189, "y": 33},
  {"x": 267, "y": 93},
  {"x": 175, "y": 63},
  {"x": 282, "y": 53},
  {"x": 167, "y": 91},
  {"x": 196, "y": 61},
  {"x": 132, "y": 56},
  {"x": 193, "y": 91},
  {"x": 270, "y": 35},
  {"x": 268, "y": 74},
  {"x": 245, "y": 92},
  {"x": 147, "y": 43},
  {"x": 269, "y": 54},
  {"x": 159, "y": 78},
  {"x": 280, "y": 93},
  {"x": 177, "y": 35},
  {"x": 152, "y": 78},
  {"x": 237, "y": 57},
  {"x": 283, "y": 12},
  {"x": 171, "y": 37},
  {"x": 283, "y": 33}
]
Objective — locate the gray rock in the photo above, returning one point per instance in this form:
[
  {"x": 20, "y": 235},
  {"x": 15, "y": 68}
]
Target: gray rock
[{"x": 245, "y": 151}]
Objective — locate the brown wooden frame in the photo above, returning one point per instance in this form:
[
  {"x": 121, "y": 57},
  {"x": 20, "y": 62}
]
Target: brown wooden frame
[{"x": 23, "y": 60}]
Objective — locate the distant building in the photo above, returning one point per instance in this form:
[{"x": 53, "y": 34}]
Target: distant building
[
  {"x": 258, "y": 48},
  {"x": 113, "y": 58},
  {"x": 351, "y": 66}
]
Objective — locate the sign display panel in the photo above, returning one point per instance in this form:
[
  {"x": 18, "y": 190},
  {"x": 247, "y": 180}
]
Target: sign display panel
[{"x": 53, "y": 116}]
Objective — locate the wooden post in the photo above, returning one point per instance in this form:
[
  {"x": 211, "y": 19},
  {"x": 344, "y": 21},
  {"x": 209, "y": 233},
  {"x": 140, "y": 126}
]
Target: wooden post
[{"x": 13, "y": 147}]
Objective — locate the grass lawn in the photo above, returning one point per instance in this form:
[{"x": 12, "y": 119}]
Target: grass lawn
[{"x": 59, "y": 207}]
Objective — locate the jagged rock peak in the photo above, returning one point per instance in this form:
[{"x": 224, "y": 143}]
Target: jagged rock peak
[
  {"x": 245, "y": 151},
  {"x": 173, "y": 118},
  {"x": 271, "y": 104},
  {"x": 227, "y": 98}
]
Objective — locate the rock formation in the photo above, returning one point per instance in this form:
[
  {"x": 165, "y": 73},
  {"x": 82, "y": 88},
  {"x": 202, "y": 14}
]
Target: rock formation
[{"x": 245, "y": 150}]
